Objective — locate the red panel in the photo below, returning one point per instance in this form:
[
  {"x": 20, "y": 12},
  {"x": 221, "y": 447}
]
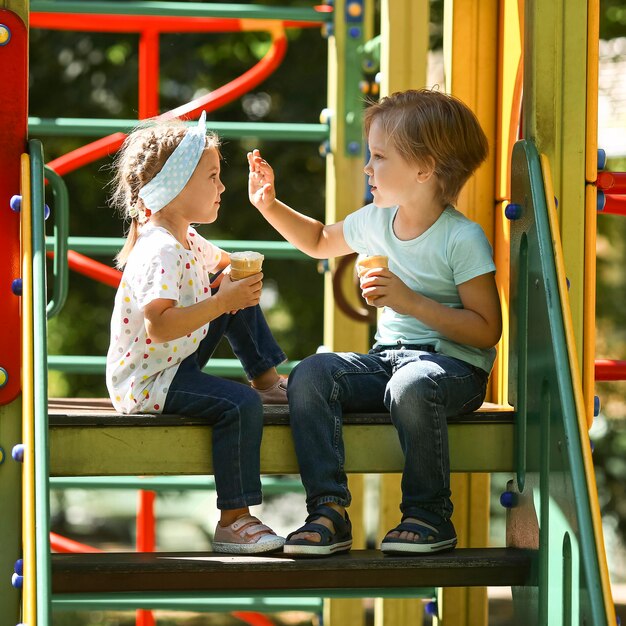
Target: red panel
[{"x": 13, "y": 125}]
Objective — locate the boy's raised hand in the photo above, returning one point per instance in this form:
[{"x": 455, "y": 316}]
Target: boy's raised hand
[{"x": 261, "y": 189}]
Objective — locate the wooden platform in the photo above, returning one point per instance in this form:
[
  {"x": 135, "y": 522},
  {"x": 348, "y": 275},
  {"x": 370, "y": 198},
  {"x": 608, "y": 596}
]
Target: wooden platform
[
  {"x": 88, "y": 438},
  {"x": 360, "y": 569}
]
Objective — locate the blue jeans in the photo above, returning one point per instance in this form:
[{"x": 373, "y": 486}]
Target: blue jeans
[
  {"x": 233, "y": 409},
  {"x": 418, "y": 387}
]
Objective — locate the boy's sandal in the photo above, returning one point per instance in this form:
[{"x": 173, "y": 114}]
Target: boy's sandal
[
  {"x": 246, "y": 535},
  {"x": 330, "y": 543},
  {"x": 429, "y": 538}
]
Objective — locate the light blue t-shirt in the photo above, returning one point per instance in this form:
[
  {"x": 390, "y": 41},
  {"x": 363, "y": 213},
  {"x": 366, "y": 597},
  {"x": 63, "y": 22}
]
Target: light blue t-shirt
[{"x": 452, "y": 251}]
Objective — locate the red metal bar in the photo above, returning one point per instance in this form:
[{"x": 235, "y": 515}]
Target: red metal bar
[
  {"x": 609, "y": 369},
  {"x": 138, "y": 23},
  {"x": 614, "y": 204},
  {"x": 253, "y": 619},
  {"x": 13, "y": 131},
  {"x": 62, "y": 544},
  {"x": 148, "y": 74},
  {"x": 613, "y": 182},
  {"x": 91, "y": 268},
  {"x": 145, "y": 543}
]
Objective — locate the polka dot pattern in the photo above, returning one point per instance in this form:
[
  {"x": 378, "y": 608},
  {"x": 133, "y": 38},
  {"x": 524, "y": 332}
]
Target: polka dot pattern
[{"x": 140, "y": 370}]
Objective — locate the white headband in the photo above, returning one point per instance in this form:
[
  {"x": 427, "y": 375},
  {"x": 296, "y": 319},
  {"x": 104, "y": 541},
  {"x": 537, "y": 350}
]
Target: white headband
[{"x": 177, "y": 170}]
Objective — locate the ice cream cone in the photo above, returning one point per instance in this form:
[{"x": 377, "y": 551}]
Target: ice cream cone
[
  {"x": 244, "y": 264},
  {"x": 369, "y": 262}
]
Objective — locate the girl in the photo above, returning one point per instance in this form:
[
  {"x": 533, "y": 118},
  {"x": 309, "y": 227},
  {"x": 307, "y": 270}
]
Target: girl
[
  {"x": 435, "y": 337},
  {"x": 168, "y": 318}
]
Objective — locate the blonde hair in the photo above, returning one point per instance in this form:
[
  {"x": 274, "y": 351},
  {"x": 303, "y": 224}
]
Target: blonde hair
[
  {"x": 433, "y": 129},
  {"x": 140, "y": 159}
]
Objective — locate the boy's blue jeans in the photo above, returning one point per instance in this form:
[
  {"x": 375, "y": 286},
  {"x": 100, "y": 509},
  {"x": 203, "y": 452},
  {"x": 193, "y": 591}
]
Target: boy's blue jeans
[
  {"x": 233, "y": 409},
  {"x": 418, "y": 387}
]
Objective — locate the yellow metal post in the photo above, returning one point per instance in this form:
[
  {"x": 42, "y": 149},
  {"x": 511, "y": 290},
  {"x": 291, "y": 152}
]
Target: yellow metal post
[
  {"x": 405, "y": 27},
  {"x": 344, "y": 194},
  {"x": 470, "y": 58},
  {"x": 555, "y": 96},
  {"x": 591, "y": 171}
]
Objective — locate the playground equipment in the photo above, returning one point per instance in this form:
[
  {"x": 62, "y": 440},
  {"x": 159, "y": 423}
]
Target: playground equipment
[{"x": 554, "y": 559}]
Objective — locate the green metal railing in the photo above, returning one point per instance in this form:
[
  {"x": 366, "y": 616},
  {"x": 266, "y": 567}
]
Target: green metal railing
[
  {"x": 109, "y": 246},
  {"x": 40, "y": 384},
  {"x": 78, "y": 127},
  {"x": 59, "y": 242},
  {"x": 179, "y": 9}
]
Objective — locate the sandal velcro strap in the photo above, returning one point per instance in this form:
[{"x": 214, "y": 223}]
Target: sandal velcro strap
[
  {"x": 311, "y": 527},
  {"x": 342, "y": 525},
  {"x": 423, "y": 530}
]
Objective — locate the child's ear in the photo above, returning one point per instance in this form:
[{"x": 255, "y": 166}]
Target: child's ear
[{"x": 425, "y": 170}]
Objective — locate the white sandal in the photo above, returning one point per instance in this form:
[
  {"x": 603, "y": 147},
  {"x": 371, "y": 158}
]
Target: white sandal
[{"x": 238, "y": 537}]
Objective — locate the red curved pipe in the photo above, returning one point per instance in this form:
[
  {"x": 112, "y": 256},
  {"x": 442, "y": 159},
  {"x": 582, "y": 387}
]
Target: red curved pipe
[
  {"x": 216, "y": 99},
  {"x": 92, "y": 268}
]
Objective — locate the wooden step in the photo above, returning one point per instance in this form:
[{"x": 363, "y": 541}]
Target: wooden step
[
  {"x": 359, "y": 569},
  {"x": 88, "y": 438}
]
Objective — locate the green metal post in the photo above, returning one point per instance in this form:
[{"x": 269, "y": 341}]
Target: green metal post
[{"x": 11, "y": 516}]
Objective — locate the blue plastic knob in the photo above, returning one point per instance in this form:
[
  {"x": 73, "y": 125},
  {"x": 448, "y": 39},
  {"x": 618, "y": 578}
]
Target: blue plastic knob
[
  {"x": 601, "y": 200},
  {"x": 567, "y": 283},
  {"x": 508, "y": 499},
  {"x": 46, "y": 211},
  {"x": 592, "y": 446},
  {"x": 16, "y": 286},
  {"x": 324, "y": 148},
  {"x": 431, "y": 608},
  {"x": 601, "y": 159},
  {"x": 597, "y": 405},
  {"x": 16, "y": 203},
  {"x": 18, "y": 452},
  {"x": 513, "y": 211},
  {"x": 17, "y": 581},
  {"x": 354, "y": 147},
  {"x": 354, "y": 32},
  {"x": 19, "y": 567}
]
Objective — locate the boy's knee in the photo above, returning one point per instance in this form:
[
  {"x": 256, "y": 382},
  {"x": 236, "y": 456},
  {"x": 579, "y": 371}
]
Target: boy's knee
[
  {"x": 313, "y": 375},
  {"x": 310, "y": 369}
]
